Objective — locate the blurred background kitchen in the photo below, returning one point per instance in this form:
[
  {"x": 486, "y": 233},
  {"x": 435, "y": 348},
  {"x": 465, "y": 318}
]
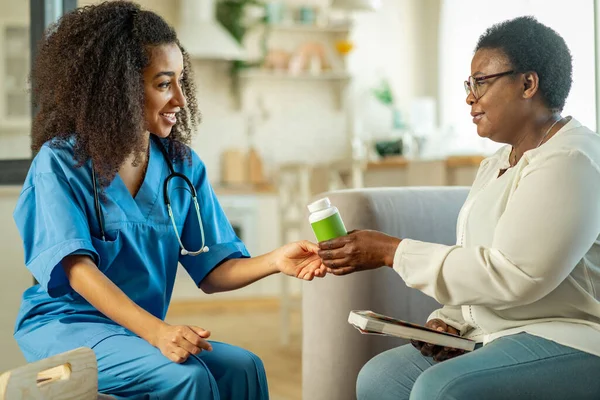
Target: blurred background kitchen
[{"x": 297, "y": 97}]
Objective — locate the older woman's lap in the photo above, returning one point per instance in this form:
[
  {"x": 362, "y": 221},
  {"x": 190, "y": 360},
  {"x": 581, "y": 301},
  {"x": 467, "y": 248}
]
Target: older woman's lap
[{"x": 519, "y": 366}]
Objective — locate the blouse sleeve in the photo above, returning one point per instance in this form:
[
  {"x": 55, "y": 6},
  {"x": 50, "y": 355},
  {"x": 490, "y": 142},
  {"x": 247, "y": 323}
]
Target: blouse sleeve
[
  {"x": 550, "y": 222},
  {"x": 451, "y": 315}
]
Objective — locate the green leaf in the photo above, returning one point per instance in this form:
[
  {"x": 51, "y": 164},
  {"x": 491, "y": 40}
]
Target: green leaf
[{"x": 383, "y": 93}]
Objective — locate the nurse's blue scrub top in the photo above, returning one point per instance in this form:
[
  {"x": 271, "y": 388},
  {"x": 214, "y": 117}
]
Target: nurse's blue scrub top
[{"x": 55, "y": 216}]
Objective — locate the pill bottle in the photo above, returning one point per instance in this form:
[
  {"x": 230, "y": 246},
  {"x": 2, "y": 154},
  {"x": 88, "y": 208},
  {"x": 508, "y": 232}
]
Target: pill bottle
[{"x": 325, "y": 220}]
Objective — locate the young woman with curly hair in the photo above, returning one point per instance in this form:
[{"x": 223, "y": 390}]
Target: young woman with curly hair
[{"x": 107, "y": 212}]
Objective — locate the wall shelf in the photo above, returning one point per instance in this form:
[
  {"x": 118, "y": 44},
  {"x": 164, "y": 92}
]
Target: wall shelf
[
  {"x": 289, "y": 39},
  {"x": 302, "y": 28},
  {"x": 339, "y": 79},
  {"x": 277, "y": 75}
]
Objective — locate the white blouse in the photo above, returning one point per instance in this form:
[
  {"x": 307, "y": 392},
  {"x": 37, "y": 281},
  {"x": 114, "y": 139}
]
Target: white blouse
[{"x": 527, "y": 257}]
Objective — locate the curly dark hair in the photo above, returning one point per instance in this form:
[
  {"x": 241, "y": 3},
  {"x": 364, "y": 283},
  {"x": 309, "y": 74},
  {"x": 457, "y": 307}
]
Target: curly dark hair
[
  {"x": 87, "y": 81},
  {"x": 532, "y": 46}
]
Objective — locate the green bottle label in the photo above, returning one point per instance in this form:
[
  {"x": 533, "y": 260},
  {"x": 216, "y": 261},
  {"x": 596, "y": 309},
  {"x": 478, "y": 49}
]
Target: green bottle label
[{"x": 329, "y": 228}]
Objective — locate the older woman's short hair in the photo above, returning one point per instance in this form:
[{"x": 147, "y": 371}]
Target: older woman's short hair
[{"x": 532, "y": 46}]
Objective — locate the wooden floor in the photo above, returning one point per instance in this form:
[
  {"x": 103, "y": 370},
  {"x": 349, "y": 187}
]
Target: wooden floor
[{"x": 255, "y": 326}]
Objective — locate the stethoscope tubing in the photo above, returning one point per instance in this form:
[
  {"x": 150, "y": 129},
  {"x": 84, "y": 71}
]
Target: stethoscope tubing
[{"x": 167, "y": 200}]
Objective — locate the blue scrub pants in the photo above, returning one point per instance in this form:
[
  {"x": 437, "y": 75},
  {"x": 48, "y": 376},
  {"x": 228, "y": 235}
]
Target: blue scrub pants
[
  {"x": 129, "y": 367},
  {"x": 520, "y": 366}
]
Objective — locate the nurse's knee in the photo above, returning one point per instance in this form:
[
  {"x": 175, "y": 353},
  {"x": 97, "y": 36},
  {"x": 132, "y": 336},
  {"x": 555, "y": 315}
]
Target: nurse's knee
[
  {"x": 191, "y": 378},
  {"x": 248, "y": 364}
]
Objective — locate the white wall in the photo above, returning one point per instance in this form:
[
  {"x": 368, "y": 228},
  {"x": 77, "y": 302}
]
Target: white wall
[
  {"x": 305, "y": 123},
  {"x": 399, "y": 42},
  {"x": 459, "y": 31},
  {"x": 14, "y": 279}
]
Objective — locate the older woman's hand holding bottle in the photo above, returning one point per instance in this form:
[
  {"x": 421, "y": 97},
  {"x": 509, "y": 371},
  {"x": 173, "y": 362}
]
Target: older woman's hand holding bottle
[{"x": 359, "y": 250}]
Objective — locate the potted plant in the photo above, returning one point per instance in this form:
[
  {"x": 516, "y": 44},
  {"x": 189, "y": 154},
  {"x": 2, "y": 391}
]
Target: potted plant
[{"x": 233, "y": 15}]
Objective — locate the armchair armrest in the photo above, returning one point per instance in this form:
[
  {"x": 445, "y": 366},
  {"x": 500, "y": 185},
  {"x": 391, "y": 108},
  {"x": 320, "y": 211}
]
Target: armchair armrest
[{"x": 333, "y": 351}]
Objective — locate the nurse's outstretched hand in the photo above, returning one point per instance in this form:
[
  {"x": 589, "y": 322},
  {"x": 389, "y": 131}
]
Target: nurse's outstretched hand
[
  {"x": 300, "y": 259},
  {"x": 178, "y": 342}
]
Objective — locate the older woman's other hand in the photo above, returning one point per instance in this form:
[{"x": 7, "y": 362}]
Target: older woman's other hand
[
  {"x": 359, "y": 250},
  {"x": 438, "y": 353}
]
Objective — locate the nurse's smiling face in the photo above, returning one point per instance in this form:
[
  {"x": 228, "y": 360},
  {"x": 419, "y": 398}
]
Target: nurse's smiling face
[{"x": 163, "y": 92}]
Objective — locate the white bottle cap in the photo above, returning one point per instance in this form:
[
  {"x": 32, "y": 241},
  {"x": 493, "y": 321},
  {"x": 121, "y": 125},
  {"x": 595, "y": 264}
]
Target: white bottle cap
[{"x": 319, "y": 205}]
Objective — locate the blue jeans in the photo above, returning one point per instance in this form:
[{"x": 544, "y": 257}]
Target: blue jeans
[{"x": 520, "y": 366}]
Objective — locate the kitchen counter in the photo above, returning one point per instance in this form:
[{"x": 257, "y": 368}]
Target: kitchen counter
[
  {"x": 402, "y": 162},
  {"x": 388, "y": 162},
  {"x": 464, "y": 161},
  {"x": 400, "y": 171}
]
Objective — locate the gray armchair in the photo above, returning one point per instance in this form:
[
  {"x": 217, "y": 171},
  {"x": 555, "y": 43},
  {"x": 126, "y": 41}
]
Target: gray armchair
[{"x": 333, "y": 351}]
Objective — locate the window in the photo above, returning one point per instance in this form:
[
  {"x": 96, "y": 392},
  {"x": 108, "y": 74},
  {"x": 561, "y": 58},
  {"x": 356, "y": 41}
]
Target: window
[
  {"x": 15, "y": 114},
  {"x": 461, "y": 24},
  {"x": 16, "y": 69}
]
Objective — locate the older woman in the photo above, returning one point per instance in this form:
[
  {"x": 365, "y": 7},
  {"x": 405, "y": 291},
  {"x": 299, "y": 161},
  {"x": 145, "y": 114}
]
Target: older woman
[{"x": 523, "y": 279}]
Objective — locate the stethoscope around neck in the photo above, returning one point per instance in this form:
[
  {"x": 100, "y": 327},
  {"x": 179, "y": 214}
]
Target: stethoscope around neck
[{"x": 172, "y": 174}]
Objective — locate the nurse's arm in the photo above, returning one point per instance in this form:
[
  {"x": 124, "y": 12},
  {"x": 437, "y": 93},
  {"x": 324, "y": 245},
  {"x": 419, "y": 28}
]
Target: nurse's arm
[
  {"x": 239, "y": 272},
  {"x": 87, "y": 280},
  {"x": 175, "y": 342},
  {"x": 299, "y": 259}
]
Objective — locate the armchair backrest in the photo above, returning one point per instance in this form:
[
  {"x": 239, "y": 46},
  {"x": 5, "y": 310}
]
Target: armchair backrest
[{"x": 333, "y": 351}]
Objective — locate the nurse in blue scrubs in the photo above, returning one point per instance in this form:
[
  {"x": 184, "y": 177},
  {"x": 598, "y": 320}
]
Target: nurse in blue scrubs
[{"x": 115, "y": 199}]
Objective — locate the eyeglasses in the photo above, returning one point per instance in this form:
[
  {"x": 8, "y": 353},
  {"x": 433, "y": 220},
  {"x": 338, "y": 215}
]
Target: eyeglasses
[{"x": 472, "y": 84}]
